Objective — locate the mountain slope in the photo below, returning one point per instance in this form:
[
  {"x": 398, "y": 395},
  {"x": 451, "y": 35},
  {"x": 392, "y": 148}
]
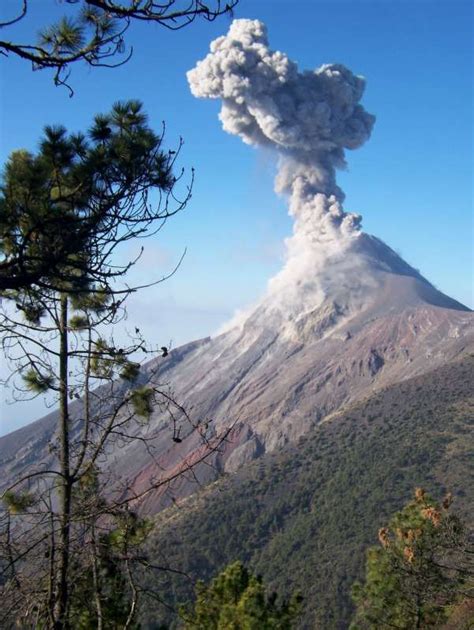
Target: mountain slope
[{"x": 304, "y": 516}]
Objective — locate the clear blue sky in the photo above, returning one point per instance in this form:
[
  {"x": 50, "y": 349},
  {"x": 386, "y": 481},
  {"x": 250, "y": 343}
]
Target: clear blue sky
[{"x": 412, "y": 181}]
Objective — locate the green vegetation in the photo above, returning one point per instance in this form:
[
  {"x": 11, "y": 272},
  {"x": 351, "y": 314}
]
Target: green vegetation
[
  {"x": 236, "y": 600},
  {"x": 80, "y": 195},
  {"x": 419, "y": 569},
  {"x": 304, "y": 518}
]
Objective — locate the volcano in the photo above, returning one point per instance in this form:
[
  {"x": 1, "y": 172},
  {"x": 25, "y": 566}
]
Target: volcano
[
  {"x": 275, "y": 375},
  {"x": 345, "y": 317}
]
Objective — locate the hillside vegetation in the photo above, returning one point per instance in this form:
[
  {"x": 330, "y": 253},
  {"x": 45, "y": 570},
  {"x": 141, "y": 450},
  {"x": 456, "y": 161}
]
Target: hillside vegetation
[{"x": 304, "y": 518}]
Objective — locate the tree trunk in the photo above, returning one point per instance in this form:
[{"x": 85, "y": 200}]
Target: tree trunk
[{"x": 62, "y": 595}]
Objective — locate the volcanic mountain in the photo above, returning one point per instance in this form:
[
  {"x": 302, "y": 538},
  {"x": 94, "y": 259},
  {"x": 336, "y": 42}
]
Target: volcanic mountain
[
  {"x": 344, "y": 317},
  {"x": 275, "y": 376},
  {"x": 272, "y": 377}
]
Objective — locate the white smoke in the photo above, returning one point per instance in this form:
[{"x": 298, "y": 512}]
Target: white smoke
[{"x": 309, "y": 119}]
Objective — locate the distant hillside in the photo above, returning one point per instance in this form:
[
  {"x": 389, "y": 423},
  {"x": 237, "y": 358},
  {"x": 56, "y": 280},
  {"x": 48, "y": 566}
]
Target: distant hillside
[{"x": 303, "y": 518}]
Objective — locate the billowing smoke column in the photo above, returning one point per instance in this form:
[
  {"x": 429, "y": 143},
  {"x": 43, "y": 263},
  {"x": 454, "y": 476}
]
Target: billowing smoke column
[{"x": 307, "y": 118}]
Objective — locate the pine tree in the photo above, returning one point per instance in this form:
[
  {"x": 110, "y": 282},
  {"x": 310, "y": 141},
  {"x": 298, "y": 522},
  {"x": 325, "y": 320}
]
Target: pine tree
[
  {"x": 236, "y": 600},
  {"x": 74, "y": 204},
  {"x": 419, "y": 569},
  {"x": 81, "y": 194},
  {"x": 94, "y": 31}
]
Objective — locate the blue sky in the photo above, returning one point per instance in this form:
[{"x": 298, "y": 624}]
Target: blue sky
[{"x": 412, "y": 181}]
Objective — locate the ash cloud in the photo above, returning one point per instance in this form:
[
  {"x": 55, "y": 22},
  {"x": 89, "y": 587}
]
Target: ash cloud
[{"x": 308, "y": 119}]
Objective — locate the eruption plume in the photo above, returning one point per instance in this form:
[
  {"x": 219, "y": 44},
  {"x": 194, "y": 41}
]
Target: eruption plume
[{"x": 308, "y": 119}]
